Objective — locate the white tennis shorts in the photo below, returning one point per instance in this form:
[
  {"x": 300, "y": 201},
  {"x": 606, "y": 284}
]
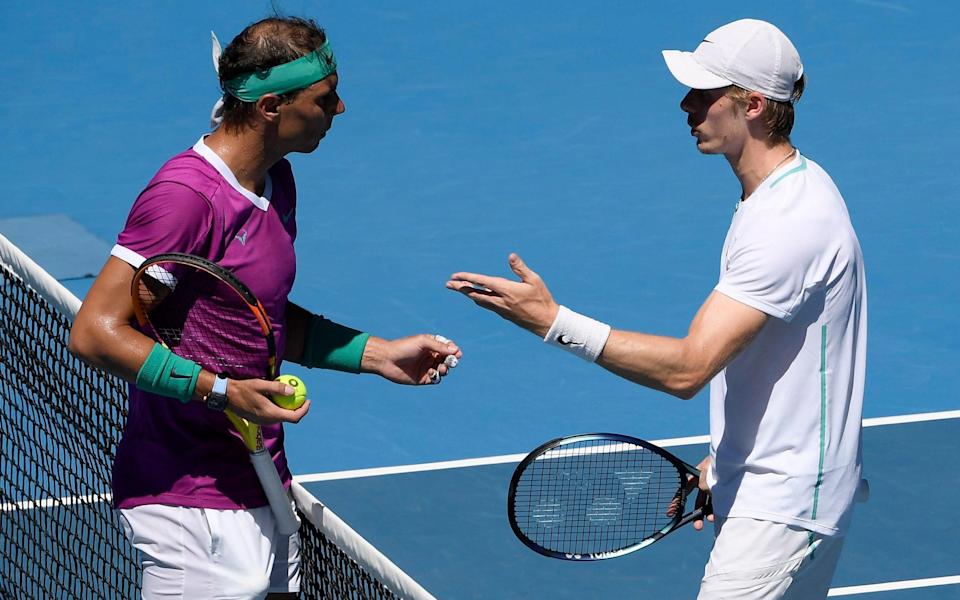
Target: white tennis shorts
[
  {"x": 205, "y": 553},
  {"x": 762, "y": 560}
]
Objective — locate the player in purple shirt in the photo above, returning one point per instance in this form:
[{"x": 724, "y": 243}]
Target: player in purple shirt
[{"x": 201, "y": 519}]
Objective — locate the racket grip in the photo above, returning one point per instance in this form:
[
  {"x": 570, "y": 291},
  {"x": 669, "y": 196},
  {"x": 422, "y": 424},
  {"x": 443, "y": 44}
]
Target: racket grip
[
  {"x": 701, "y": 513},
  {"x": 287, "y": 522}
]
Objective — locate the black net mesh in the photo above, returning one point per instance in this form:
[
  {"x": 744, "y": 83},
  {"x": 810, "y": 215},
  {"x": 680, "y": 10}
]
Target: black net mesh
[
  {"x": 329, "y": 573},
  {"x": 59, "y": 424}
]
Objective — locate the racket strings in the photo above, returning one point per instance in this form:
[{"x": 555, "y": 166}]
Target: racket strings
[
  {"x": 203, "y": 318},
  {"x": 596, "y": 496}
]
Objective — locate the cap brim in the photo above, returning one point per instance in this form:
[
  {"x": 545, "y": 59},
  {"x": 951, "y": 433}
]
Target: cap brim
[{"x": 688, "y": 71}]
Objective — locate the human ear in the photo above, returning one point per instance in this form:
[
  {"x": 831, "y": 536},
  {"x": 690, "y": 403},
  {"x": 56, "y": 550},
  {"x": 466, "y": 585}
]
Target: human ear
[
  {"x": 755, "y": 105},
  {"x": 268, "y": 107}
]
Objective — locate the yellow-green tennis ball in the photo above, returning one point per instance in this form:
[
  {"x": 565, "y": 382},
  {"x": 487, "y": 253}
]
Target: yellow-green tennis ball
[{"x": 294, "y": 400}]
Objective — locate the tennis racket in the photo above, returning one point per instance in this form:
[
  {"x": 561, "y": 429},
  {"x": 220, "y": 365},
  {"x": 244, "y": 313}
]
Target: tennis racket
[
  {"x": 202, "y": 312},
  {"x": 598, "y": 496}
]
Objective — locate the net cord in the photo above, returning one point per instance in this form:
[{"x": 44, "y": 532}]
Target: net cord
[
  {"x": 34, "y": 276},
  {"x": 356, "y": 547}
]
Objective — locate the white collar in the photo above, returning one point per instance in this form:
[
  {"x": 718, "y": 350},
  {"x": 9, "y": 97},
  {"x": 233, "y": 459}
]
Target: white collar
[{"x": 261, "y": 202}]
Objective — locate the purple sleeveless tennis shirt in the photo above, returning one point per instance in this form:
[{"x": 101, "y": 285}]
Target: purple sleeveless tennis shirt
[{"x": 185, "y": 454}]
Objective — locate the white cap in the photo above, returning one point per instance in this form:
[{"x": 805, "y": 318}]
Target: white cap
[{"x": 748, "y": 53}]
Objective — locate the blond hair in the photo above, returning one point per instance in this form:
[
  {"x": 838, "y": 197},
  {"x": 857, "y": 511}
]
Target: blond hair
[{"x": 777, "y": 116}]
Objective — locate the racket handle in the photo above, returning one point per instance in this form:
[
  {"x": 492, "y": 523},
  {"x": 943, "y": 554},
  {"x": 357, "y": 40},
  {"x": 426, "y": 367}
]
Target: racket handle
[
  {"x": 701, "y": 513},
  {"x": 287, "y": 522}
]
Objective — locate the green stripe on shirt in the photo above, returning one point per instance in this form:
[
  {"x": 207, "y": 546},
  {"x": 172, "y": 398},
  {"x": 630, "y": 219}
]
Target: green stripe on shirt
[
  {"x": 801, "y": 167},
  {"x": 823, "y": 417}
]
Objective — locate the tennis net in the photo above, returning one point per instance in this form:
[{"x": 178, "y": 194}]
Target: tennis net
[{"x": 60, "y": 421}]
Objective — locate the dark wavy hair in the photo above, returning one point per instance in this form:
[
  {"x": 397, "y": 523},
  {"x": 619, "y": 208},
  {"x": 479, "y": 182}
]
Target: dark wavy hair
[{"x": 267, "y": 43}]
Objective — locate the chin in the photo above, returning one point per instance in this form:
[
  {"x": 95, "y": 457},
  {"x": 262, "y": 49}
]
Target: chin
[
  {"x": 705, "y": 148},
  {"x": 309, "y": 146}
]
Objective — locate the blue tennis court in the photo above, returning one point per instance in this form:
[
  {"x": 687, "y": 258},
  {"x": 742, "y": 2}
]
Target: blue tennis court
[
  {"x": 447, "y": 528},
  {"x": 475, "y": 129}
]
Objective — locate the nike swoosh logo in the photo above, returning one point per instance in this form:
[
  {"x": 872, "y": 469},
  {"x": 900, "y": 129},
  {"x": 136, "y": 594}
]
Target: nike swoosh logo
[
  {"x": 565, "y": 341},
  {"x": 287, "y": 216},
  {"x": 176, "y": 375}
]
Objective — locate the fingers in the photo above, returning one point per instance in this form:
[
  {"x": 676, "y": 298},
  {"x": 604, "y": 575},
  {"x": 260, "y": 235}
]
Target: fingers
[
  {"x": 525, "y": 273},
  {"x": 442, "y": 346},
  {"x": 448, "y": 355},
  {"x": 277, "y": 414},
  {"x": 294, "y": 416},
  {"x": 281, "y": 389},
  {"x": 253, "y": 400},
  {"x": 484, "y": 284},
  {"x": 689, "y": 485},
  {"x": 482, "y": 296},
  {"x": 703, "y": 502},
  {"x": 467, "y": 283},
  {"x": 703, "y": 467}
]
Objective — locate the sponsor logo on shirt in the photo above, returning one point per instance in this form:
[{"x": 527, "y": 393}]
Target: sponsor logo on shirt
[{"x": 241, "y": 237}]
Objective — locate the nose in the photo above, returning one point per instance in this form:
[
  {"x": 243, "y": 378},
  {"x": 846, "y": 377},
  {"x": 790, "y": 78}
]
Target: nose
[
  {"x": 341, "y": 107},
  {"x": 687, "y": 104}
]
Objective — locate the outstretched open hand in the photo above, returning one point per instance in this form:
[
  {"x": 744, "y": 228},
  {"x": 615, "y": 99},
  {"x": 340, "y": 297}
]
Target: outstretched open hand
[{"x": 527, "y": 302}]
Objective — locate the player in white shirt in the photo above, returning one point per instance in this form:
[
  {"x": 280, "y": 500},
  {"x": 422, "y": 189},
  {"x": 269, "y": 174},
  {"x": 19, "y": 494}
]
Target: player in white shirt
[{"x": 781, "y": 339}]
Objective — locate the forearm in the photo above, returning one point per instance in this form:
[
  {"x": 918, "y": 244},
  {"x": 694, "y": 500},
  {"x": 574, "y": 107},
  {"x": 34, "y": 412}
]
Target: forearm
[
  {"x": 116, "y": 348},
  {"x": 721, "y": 328},
  {"x": 297, "y": 321},
  {"x": 671, "y": 365},
  {"x": 316, "y": 342},
  {"x": 682, "y": 366},
  {"x": 374, "y": 355},
  {"x": 413, "y": 360}
]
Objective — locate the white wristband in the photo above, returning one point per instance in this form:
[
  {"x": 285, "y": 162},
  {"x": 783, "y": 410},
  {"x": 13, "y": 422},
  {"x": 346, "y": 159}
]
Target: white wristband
[{"x": 578, "y": 334}]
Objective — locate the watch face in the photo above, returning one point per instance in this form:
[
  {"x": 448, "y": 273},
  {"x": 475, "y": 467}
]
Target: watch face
[
  {"x": 216, "y": 401},
  {"x": 217, "y": 398}
]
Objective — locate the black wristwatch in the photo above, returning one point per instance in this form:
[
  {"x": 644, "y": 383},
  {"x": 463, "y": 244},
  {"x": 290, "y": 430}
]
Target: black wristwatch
[{"x": 217, "y": 398}]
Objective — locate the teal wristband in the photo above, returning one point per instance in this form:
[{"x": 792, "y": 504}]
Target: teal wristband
[
  {"x": 328, "y": 345},
  {"x": 166, "y": 374}
]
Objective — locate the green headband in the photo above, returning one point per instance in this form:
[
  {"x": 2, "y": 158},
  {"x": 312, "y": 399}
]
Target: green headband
[{"x": 284, "y": 78}]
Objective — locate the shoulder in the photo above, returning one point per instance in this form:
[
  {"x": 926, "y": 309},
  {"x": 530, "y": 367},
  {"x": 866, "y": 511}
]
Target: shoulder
[
  {"x": 800, "y": 225},
  {"x": 801, "y": 202},
  {"x": 180, "y": 192},
  {"x": 806, "y": 189},
  {"x": 189, "y": 171}
]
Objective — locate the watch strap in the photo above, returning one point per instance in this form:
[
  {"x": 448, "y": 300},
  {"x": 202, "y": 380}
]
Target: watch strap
[{"x": 217, "y": 398}]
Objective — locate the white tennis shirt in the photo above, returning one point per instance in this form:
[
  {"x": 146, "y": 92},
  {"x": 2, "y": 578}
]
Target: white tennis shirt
[{"x": 785, "y": 413}]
